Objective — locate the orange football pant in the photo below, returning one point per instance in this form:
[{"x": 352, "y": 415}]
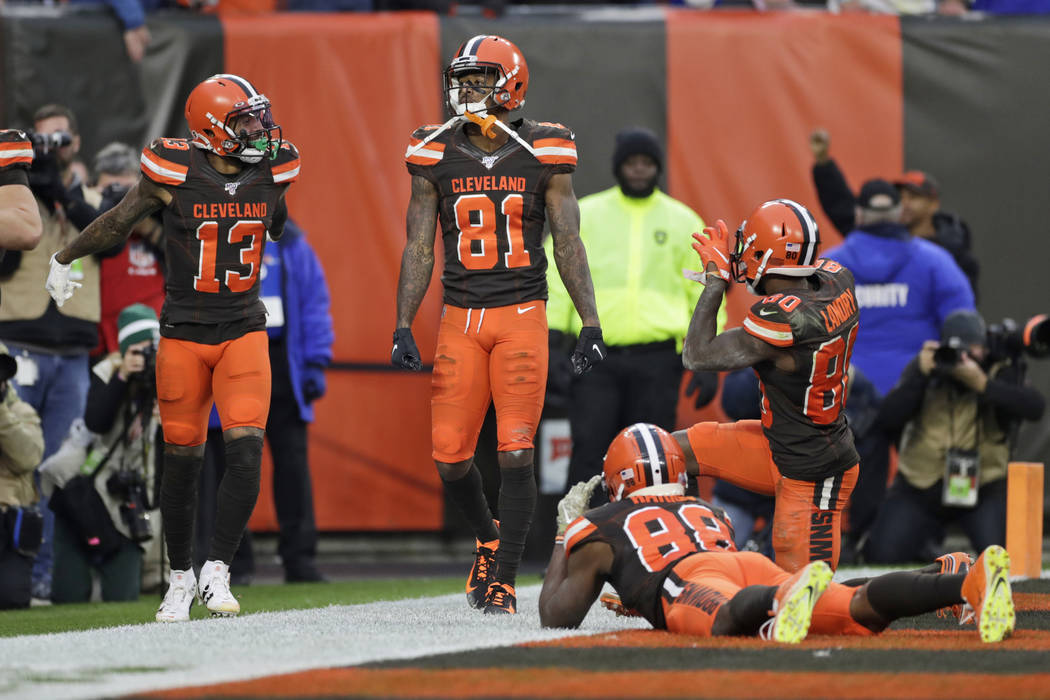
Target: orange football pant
[
  {"x": 498, "y": 352},
  {"x": 235, "y": 374},
  {"x": 807, "y": 517},
  {"x": 699, "y": 585}
]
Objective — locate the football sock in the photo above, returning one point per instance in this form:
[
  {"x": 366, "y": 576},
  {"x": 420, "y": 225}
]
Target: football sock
[
  {"x": 906, "y": 593},
  {"x": 238, "y": 492},
  {"x": 178, "y": 506},
  {"x": 750, "y": 607},
  {"x": 469, "y": 496},
  {"x": 517, "y": 503}
]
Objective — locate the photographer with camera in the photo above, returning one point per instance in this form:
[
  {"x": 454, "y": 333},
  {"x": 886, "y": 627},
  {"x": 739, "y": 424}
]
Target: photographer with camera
[
  {"x": 957, "y": 406},
  {"x": 105, "y": 508},
  {"x": 52, "y": 343},
  {"x": 136, "y": 273},
  {"x": 20, "y": 227},
  {"x": 21, "y": 444}
]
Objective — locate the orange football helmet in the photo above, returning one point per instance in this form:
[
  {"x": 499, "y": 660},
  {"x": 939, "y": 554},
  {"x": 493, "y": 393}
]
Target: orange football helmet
[
  {"x": 640, "y": 457},
  {"x": 487, "y": 53},
  {"x": 779, "y": 238},
  {"x": 212, "y": 108}
]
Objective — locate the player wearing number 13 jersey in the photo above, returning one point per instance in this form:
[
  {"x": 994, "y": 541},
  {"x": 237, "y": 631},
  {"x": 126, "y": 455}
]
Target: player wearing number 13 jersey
[
  {"x": 492, "y": 184},
  {"x": 221, "y": 193},
  {"x": 798, "y": 338}
]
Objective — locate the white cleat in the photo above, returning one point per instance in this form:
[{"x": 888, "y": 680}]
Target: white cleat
[
  {"x": 182, "y": 589},
  {"x": 214, "y": 589}
]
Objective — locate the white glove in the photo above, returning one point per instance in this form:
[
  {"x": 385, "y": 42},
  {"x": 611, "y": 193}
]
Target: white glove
[
  {"x": 575, "y": 502},
  {"x": 59, "y": 286}
]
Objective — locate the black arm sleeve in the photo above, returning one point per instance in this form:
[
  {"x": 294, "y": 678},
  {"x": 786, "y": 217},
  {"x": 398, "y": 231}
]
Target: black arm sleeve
[
  {"x": 14, "y": 176},
  {"x": 836, "y": 198},
  {"x": 1012, "y": 400},
  {"x": 280, "y": 215},
  {"x": 903, "y": 401},
  {"x": 103, "y": 403}
]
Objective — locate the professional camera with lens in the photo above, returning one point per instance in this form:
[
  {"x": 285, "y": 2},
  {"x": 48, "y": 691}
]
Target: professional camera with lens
[
  {"x": 1008, "y": 341},
  {"x": 948, "y": 354},
  {"x": 130, "y": 487},
  {"x": 45, "y": 143}
]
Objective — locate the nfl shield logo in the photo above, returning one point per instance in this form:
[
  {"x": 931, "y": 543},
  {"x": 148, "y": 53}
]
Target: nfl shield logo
[
  {"x": 489, "y": 161},
  {"x": 231, "y": 188}
]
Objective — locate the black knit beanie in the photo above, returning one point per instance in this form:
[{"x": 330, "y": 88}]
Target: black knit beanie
[{"x": 636, "y": 140}]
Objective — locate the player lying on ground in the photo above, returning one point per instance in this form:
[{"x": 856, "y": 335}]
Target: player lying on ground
[{"x": 671, "y": 558}]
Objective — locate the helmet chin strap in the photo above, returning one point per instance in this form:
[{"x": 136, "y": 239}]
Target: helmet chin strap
[
  {"x": 488, "y": 126},
  {"x": 752, "y": 285}
]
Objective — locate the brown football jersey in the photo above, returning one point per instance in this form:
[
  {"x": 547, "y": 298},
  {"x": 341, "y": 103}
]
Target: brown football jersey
[
  {"x": 214, "y": 233},
  {"x": 802, "y": 413},
  {"x": 493, "y": 209},
  {"x": 648, "y": 536}
]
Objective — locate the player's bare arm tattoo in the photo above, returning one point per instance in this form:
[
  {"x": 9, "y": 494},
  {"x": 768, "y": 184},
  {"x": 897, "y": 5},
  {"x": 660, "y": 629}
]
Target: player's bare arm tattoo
[
  {"x": 115, "y": 225},
  {"x": 733, "y": 349},
  {"x": 417, "y": 261},
  {"x": 563, "y": 216}
]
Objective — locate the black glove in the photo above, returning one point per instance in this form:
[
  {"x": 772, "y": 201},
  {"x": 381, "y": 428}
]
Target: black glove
[
  {"x": 405, "y": 353},
  {"x": 590, "y": 350},
  {"x": 704, "y": 385}
]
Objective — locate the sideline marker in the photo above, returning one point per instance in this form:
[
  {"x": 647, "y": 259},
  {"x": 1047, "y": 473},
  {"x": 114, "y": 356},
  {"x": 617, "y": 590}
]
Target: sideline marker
[{"x": 1024, "y": 518}]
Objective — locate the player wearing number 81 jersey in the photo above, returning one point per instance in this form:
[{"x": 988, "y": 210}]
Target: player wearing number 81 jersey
[
  {"x": 798, "y": 338},
  {"x": 221, "y": 193},
  {"x": 492, "y": 184}
]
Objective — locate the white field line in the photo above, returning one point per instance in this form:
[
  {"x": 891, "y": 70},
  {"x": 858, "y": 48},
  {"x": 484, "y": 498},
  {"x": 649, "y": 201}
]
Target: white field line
[{"x": 138, "y": 658}]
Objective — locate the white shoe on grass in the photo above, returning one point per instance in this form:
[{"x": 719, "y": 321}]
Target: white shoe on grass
[
  {"x": 214, "y": 589},
  {"x": 182, "y": 589}
]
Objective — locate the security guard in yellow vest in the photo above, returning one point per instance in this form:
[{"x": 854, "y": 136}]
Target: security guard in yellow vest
[{"x": 638, "y": 242}]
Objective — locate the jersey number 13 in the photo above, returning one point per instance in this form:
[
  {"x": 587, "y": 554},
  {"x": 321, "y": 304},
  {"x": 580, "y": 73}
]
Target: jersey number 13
[{"x": 246, "y": 235}]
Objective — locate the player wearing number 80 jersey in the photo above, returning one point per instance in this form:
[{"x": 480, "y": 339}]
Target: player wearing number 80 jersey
[
  {"x": 492, "y": 184},
  {"x": 798, "y": 338},
  {"x": 221, "y": 192}
]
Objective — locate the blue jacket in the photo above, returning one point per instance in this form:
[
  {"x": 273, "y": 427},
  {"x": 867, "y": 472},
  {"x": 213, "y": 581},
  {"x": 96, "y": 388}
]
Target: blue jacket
[
  {"x": 308, "y": 333},
  {"x": 307, "y": 320},
  {"x": 905, "y": 288}
]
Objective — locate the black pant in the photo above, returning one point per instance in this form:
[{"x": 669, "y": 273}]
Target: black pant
[
  {"x": 910, "y": 524},
  {"x": 16, "y": 574},
  {"x": 637, "y": 383},
  {"x": 292, "y": 488}
]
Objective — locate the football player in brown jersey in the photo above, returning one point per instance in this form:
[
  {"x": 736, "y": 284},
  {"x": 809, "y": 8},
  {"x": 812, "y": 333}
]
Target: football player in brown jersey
[
  {"x": 20, "y": 227},
  {"x": 492, "y": 184},
  {"x": 671, "y": 559},
  {"x": 798, "y": 338},
  {"x": 222, "y": 193}
]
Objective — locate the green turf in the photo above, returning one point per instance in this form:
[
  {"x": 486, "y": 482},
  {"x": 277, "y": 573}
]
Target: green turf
[{"x": 261, "y": 598}]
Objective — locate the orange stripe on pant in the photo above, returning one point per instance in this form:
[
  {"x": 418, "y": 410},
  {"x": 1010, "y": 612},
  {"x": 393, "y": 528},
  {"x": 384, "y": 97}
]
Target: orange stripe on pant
[
  {"x": 498, "y": 352},
  {"x": 807, "y": 518},
  {"x": 711, "y": 580},
  {"x": 236, "y": 374}
]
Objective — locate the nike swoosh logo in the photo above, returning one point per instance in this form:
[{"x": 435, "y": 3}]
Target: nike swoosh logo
[
  {"x": 765, "y": 312},
  {"x": 600, "y": 355},
  {"x": 527, "y": 308}
]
